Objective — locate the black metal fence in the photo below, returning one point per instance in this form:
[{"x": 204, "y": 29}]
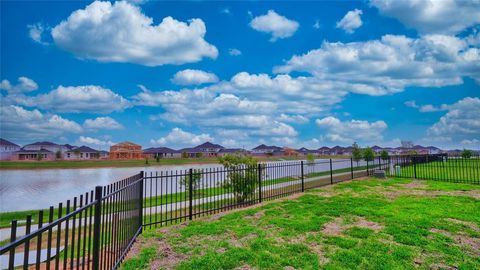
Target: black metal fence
[
  {"x": 92, "y": 231},
  {"x": 96, "y": 229},
  {"x": 440, "y": 167},
  {"x": 176, "y": 196}
]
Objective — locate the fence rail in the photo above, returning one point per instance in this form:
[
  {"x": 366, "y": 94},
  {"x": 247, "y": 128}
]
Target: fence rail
[{"x": 96, "y": 230}]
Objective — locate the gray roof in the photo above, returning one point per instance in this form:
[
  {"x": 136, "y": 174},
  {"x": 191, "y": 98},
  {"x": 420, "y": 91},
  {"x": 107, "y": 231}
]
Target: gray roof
[
  {"x": 42, "y": 143},
  {"x": 208, "y": 145},
  {"x": 23, "y": 151},
  {"x": 83, "y": 149},
  {"x": 154, "y": 150},
  {"x": 5, "y": 142}
]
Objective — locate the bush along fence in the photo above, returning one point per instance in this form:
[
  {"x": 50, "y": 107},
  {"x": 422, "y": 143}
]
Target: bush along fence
[{"x": 96, "y": 229}]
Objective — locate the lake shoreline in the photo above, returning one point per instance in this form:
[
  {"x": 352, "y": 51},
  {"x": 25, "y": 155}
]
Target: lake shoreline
[{"x": 91, "y": 164}]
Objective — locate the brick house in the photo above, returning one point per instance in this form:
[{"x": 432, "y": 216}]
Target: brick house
[{"x": 126, "y": 150}]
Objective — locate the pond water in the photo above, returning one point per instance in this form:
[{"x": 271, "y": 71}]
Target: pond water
[{"x": 38, "y": 189}]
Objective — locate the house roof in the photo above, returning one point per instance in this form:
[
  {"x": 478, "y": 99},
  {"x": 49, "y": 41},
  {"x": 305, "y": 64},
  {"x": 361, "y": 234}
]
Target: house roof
[
  {"x": 83, "y": 149},
  {"x": 69, "y": 146},
  {"x": 23, "y": 151},
  {"x": 232, "y": 150},
  {"x": 153, "y": 150},
  {"x": 7, "y": 143},
  {"x": 208, "y": 145},
  {"x": 324, "y": 148},
  {"x": 126, "y": 143},
  {"x": 43, "y": 143},
  {"x": 266, "y": 147}
]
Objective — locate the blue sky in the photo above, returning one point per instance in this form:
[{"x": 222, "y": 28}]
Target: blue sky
[{"x": 241, "y": 73}]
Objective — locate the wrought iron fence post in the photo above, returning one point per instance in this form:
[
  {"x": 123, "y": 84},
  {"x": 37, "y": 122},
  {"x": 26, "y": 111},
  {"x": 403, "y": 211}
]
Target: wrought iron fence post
[
  {"x": 190, "y": 194},
  {"x": 96, "y": 228},
  {"x": 414, "y": 167},
  {"x": 13, "y": 237},
  {"x": 367, "y": 167},
  {"x": 351, "y": 167},
  {"x": 303, "y": 177},
  {"x": 259, "y": 182},
  {"x": 140, "y": 209},
  {"x": 331, "y": 172}
]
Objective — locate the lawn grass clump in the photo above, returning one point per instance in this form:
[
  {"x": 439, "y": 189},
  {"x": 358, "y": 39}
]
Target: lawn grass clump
[{"x": 352, "y": 225}]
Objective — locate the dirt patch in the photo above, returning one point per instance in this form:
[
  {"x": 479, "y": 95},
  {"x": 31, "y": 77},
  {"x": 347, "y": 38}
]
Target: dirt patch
[
  {"x": 414, "y": 184},
  {"x": 392, "y": 195},
  {"x": 337, "y": 226},
  {"x": 468, "y": 224},
  {"x": 166, "y": 258},
  {"x": 244, "y": 267},
  {"x": 258, "y": 215},
  {"x": 462, "y": 240}
]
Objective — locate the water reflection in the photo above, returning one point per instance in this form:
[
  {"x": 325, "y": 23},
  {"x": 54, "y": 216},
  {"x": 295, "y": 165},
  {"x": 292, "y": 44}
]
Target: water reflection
[{"x": 35, "y": 189}]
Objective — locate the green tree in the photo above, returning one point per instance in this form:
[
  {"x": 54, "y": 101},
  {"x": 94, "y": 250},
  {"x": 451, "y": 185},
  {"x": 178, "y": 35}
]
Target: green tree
[
  {"x": 196, "y": 177},
  {"x": 242, "y": 176},
  {"x": 384, "y": 154},
  {"x": 58, "y": 154},
  {"x": 198, "y": 155},
  {"x": 310, "y": 159},
  {"x": 39, "y": 156},
  {"x": 368, "y": 154},
  {"x": 184, "y": 155},
  {"x": 146, "y": 160},
  {"x": 356, "y": 153},
  {"x": 467, "y": 153},
  {"x": 157, "y": 157}
]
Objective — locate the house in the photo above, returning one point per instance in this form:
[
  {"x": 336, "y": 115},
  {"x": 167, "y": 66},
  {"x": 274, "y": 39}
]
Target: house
[
  {"x": 41, "y": 154},
  {"x": 305, "y": 151},
  {"x": 290, "y": 151},
  {"x": 161, "y": 152},
  {"x": 377, "y": 149},
  {"x": 126, "y": 150},
  {"x": 103, "y": 154},
  {"x": 337, "y": 150},
  {"x": 206, "y": 149},
  {"x": 7, "y": 149},
  {"x": 265, "y": 150},
  {"x": 57, "y": 149},
  {"x": 324, "y": 150},
  {"x": 82, "y": 152},
  {"x": 230, "y": 151}
]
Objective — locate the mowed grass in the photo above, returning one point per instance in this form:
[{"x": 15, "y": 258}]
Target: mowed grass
[
  {"x": 455, "y": 170},
  {"x": 363, "y": 224}
]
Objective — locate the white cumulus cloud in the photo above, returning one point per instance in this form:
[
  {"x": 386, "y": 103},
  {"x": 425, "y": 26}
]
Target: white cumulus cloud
[
  {"x": 102, "y": 123},
  {"x": 24, "y": 85},
  {"x": 79, "y": 99},
  {"x": 120, "y": 32},
  {"x": 94, "y": 141},
  {"x": 181, "y": 138},
  {"x": 347, "y": 132},
  {"x": 18, "y": 122},
  {"x": 351, "y": 21},
  {"x": 432, "y": 16},
  {"x": 275, "y": 24},
  {"x": 194, "y": 77}
]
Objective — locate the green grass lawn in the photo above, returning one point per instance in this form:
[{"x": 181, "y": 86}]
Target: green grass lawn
[
  {"x": 363, "y": 224},
  {"x": 457, "y": 170}
]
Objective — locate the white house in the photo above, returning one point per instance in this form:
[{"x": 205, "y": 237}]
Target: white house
[
  {"x": 7, "y": 149},
  {"x": 52, "y": 147},
  {"x": 82, "y": 152}
]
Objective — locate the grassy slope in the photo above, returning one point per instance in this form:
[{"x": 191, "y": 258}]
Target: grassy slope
[{"x": 289, "y": 233}]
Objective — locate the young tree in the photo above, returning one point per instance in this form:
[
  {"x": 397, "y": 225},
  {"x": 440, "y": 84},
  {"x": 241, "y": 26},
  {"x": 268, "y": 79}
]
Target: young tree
[
  {"x": 58, "y": 154},
  {"x": 184, "y": 155},
  {"x": 157, "y": 157},
  {"x": 196, "y": 177},
  {"x": 242, "y": 175},
  {"x": 467, "y": 153},
  {"x": 368, "y": 154},
  {"x": 310, "y": 159},
  {"x": 384, "y": 154},
  {"x": 198, "y": 155},
  {"x": 356, "y": 153}
]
